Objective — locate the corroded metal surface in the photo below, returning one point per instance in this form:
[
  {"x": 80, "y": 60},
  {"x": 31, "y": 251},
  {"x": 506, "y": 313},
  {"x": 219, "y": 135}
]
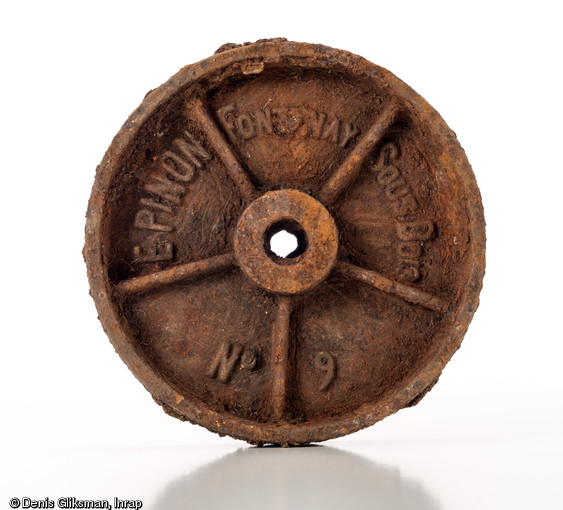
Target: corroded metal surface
[{"x": 353, "y": 325}]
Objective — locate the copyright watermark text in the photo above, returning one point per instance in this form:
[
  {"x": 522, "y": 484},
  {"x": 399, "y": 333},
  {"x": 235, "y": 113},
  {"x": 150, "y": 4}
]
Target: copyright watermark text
[{"x": 71, "y": 503}]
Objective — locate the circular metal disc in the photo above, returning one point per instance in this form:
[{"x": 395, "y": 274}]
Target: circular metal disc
[{"x": 360, "y": 319}]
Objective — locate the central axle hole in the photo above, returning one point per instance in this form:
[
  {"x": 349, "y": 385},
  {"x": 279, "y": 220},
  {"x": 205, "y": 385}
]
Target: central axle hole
[
  {"x": 283, "y": 243},
  {"x": 285, "y": 240}
]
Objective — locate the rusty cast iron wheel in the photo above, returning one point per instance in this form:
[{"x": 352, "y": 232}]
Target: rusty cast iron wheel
[{"x": 353, "y": 325}]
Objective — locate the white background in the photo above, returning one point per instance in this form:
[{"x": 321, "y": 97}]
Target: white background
[{"x": 71, "y": 74}]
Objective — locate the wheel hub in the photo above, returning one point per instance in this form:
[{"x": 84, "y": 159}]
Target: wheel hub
[{"x": 313, "y": 227}]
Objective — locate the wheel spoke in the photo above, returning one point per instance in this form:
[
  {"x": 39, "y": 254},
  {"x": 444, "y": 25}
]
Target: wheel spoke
[
  {"x": 189, "y": 271},
  {"x": 410, "y": 294},
  {"x": 349, "y": 169},
  {"x": 280, "y": 356},
  {"x": 237, "y": 173}
]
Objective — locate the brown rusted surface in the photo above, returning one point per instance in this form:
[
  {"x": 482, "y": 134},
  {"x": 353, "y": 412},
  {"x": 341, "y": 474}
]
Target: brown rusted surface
[{"x": 355, "y": 324}]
